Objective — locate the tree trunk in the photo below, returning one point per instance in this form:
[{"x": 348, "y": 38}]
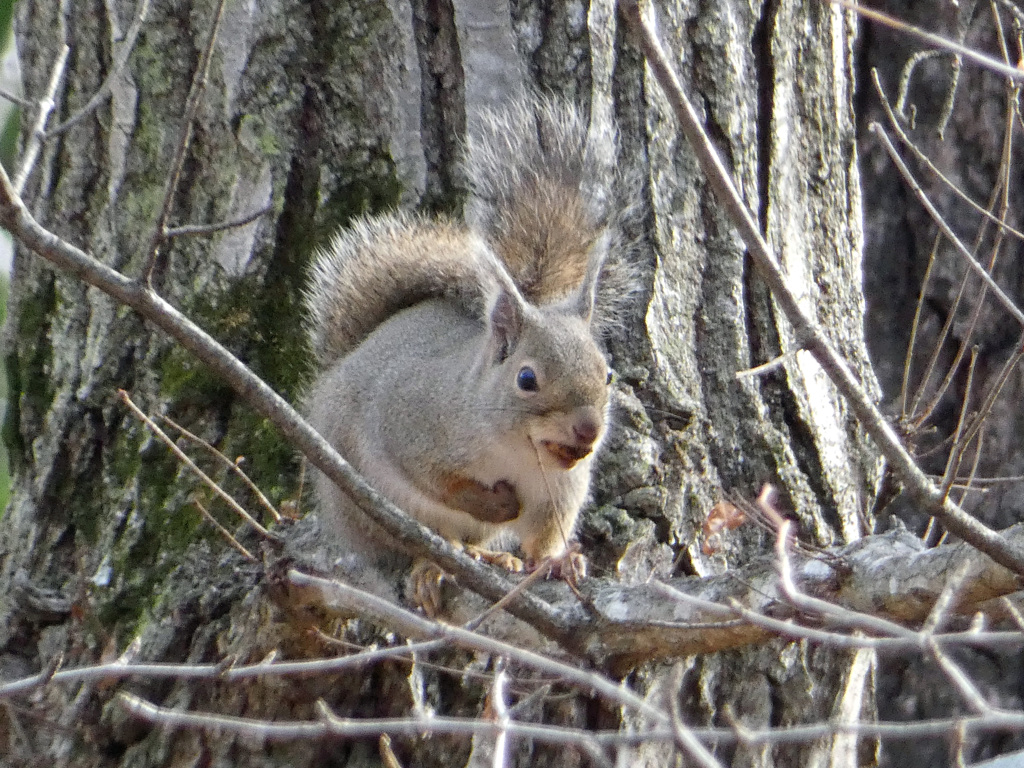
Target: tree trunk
[{"x": 321, "y": 111}]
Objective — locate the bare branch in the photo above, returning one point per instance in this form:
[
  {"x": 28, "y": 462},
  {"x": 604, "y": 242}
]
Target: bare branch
[
  {"x": 231, "y": 465},
  {"x": 331, "y": 726},
  {"x": 207, "y": 480},
  {"x": 336, "y": 596},
  {"x": 15, "y": 99},
  {"x": 914, "y": 328},
  {"x": 191, "y": 106},
  {"x": 961, "y": 681},
  {"x": 501, "y": 715},
  {"x": 944, "y": 604},
  {"x": 46, "y": 105},
  {"x": 771, "y": 365},
  {"x": 209, "y": 229},
  {"x": 796, "y": 734},
  {"x": 922, "y": 198},
  {"x": 936, "y": 41},
  {"x": 224, "y": 531},
  {"x": 120, "y": 670}
]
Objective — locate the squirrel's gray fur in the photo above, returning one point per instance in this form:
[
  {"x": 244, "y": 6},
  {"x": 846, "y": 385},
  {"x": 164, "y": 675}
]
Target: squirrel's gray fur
[{"x": 461, "y": 373}]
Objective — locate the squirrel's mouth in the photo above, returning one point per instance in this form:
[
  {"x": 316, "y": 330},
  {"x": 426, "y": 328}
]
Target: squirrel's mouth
[{"x": 566, "y": 455}]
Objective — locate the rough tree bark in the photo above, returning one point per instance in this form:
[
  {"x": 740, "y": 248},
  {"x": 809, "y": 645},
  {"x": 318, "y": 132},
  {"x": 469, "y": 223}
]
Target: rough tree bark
[{"x": 324, "y": 110}]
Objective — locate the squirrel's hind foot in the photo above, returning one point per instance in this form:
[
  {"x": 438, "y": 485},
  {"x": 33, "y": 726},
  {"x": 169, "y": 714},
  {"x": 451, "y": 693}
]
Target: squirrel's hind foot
[{"x": 426, "y": 580}]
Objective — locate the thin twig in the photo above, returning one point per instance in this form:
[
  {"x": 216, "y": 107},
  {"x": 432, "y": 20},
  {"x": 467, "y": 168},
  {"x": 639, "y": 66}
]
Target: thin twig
[
  {"x": 224, "y": 531},
  {"x": 206, "y": 479},
  {"x": 968, "y": 690},
  {"x": 914, "y": 328},
  {"x": 992, "y": 395},
  {"x": 959, "y": 444},
  {"x": 165, "y": 671},
  {"x": 936, "y": 41},
  {"x": 232, "y": 465},
  {"x": 968, "y": 482},
  {"x": 921, "y": 414},
  {"x": 538, "y": 575},
  {"x": 21, "y": 101},
  {"x": 260, "y": 730},
  {"x": 210, "y": 229},
  {"x": 919, "y": 193},
  {"x": 1015, "y": 614},
  {"x": 330, "y": 725},
  {"x": 124, "y": 51},
  {"x": 188, "y": 117},
  {"x": 788, "y": 628},
  {"x": 935, "y": 170},
  {"x": 945, "y": 602},
  {"x": 387, "y": 755},
  {"x": 46, "y": 105},
  {"x": 501, "y": 715},
  {"x": 771, "y": 365}
]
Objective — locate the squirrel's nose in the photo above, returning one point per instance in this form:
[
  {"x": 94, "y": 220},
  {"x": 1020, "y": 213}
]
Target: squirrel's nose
[{"x": 585, "y": 431}]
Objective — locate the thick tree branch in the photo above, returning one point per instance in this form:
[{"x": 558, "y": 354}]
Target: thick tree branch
[
  {"x": 868, "y": 594},
  {"x": 865, "y": 588}
]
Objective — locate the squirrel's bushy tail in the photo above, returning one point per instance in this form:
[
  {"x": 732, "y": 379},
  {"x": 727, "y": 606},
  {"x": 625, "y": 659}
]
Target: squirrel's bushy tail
[
  {"x": 380, "y": 265},
  {"x": 546, "y": 196}
]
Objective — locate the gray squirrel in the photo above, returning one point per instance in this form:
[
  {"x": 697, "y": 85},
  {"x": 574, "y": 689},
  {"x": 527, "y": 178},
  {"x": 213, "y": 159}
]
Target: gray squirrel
[{"x": 460, "y": 371}]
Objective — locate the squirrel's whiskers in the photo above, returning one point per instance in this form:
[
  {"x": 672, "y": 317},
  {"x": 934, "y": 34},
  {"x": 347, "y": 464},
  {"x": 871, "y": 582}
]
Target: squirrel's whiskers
[{"x": 559, "y": 514}]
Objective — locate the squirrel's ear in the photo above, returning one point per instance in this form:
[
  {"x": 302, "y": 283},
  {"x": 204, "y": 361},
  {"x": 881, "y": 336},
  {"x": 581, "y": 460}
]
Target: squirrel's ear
[
  {"x": 506, "y": 324},
  {"x": 582, "y": 303}
]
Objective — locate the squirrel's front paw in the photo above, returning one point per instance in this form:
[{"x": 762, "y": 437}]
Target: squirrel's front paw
[{"x": 504, "y": 560}]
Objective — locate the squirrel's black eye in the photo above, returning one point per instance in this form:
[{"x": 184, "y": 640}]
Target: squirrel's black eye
[{"x": 526, "y": 379}]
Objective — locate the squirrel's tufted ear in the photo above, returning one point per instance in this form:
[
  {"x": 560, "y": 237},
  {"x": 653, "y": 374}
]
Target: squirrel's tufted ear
[
  {"x": 582, "y": 301},
  {"x": 506, "y": 324}
]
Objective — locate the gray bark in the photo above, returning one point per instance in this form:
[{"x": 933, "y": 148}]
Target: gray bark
[{"x": 326, "y": 110}]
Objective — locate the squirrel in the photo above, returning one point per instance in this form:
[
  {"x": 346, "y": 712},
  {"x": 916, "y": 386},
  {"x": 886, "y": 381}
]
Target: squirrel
[{"x": 461, "y": 369}]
